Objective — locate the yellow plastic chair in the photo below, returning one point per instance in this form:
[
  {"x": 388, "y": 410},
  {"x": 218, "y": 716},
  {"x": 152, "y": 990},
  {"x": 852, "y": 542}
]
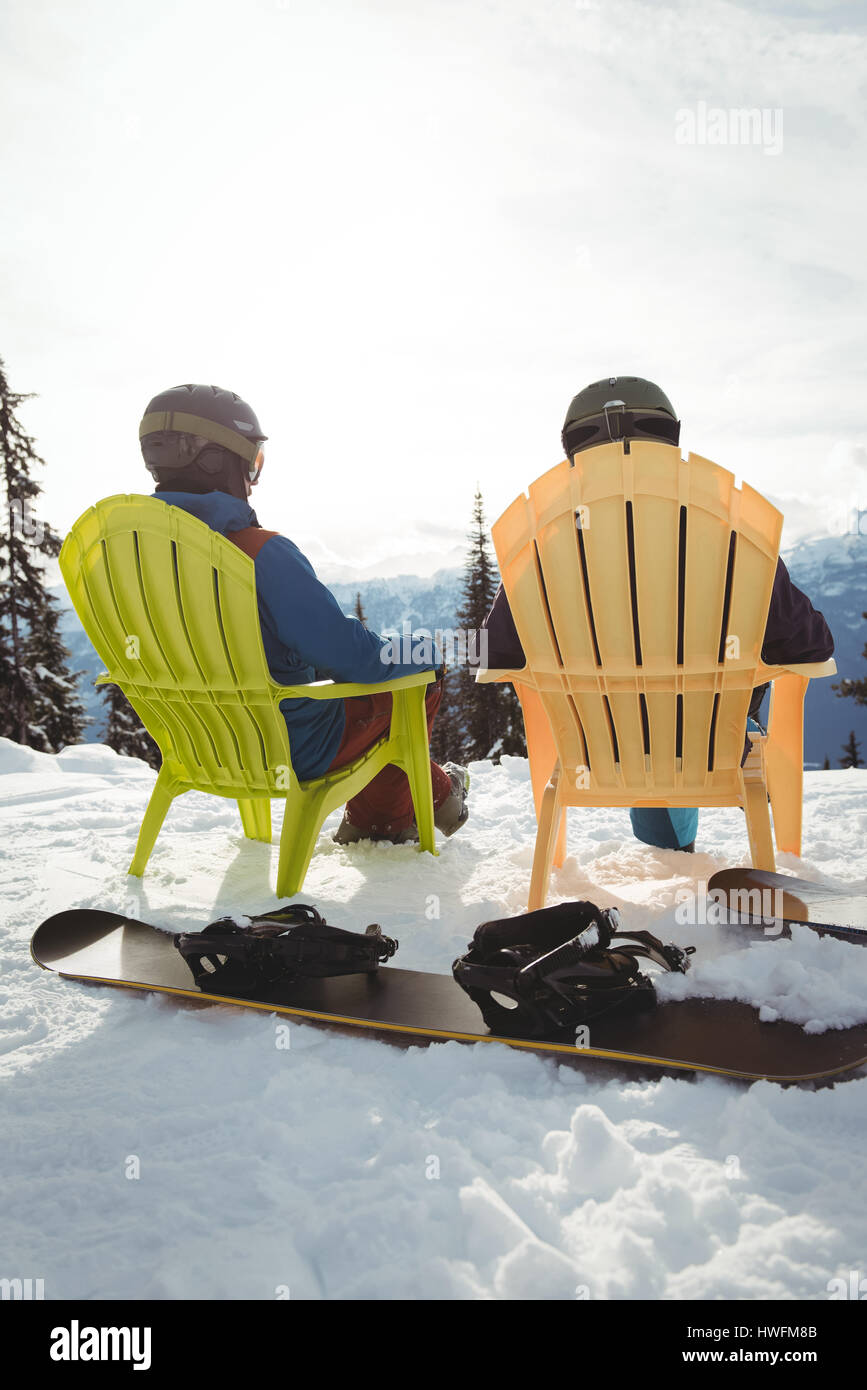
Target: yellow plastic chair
[
  {"x": 170, "y": 607},
  {"x": 640, "y": 584}
]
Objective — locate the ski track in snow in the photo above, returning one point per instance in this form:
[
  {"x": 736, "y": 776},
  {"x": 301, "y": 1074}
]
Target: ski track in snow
[{"x": 342, "y": 1167}]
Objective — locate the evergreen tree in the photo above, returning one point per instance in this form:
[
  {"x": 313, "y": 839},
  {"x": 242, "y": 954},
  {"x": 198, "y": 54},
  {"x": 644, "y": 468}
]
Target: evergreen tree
[
  {"x": 359, "y": 610},
  {"x": 448, "y": 737},
  {"x": 57, "y": 716},
  {"x": 41, "y": 706},
  {"x": 854, "y": 689},
  {"x": 485, "y": 718},
  {"x": 124, "y": 731},
  {"x": 852, "y": 752},
  {"x": 826, "y": 766}
]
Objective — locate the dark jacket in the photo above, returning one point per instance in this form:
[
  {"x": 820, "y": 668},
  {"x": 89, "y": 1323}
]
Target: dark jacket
[{"x": 795, "y": 632}]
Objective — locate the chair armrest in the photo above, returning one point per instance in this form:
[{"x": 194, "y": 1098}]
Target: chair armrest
[
  {"x": 488, "y": 676},
  {"x": 811, "y": 670},
  {"x": 814, "y": 670},
  {"x": 345, "y": 690}
]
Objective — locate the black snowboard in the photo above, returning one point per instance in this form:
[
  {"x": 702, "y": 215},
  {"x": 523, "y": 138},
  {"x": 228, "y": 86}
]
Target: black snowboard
[
  {"x": 772, "y": 902},
  {"x": 414, "y": 1007}
]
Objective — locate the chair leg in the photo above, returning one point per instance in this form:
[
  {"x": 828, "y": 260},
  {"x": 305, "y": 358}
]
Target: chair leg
[
  {"x": 550, "y": 816},
  {"x": 541, "y": 748},
  {"x": 758, "y": 816},
  {"x": 542, "y": 755},
  {"x": 784, "y": 758},
  {"x": 256, "y": 818},
  {"x": 418, "y": 764},
  {"x": 560, "y": 847},
  {"x": 302, "y": 821},
  {"x": 162, "y": 796}
]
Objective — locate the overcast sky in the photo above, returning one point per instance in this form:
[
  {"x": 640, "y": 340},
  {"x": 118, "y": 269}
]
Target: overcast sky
[{"x": 407, "y": 231}]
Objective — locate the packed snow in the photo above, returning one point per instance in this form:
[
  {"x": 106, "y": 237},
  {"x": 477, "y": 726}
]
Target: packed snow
[
  {"x": 816, "y": 981},
  {"x": 154, "y": 1148}
]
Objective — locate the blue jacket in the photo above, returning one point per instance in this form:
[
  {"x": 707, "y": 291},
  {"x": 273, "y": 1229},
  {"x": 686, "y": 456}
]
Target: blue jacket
[{"x": 305, "y": 633}]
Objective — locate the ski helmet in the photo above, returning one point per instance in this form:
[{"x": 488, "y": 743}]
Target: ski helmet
[
  {"x": 619, "y": 407},
  {"x": 180, "y": 427}
]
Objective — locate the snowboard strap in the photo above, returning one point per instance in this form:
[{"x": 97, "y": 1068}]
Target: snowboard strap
[
  {"x": 291, "y": 943},
  {"x": 548, "y": 972}
]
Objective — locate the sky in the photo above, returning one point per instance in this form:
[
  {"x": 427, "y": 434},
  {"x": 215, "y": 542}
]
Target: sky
[{"x": 408, "y": 233}]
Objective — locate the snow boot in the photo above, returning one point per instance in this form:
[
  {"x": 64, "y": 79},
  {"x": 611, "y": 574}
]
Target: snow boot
[
  {"x": 448, "y": 817},
  {"x": 349, "y": 834},
  {"x": 454, "y": 811}
]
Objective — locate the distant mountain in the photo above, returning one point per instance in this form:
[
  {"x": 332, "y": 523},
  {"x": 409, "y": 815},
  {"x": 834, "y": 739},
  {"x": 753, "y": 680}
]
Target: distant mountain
[
  {"x": 832, "y": 570},
  {"x": 389, "y": 603}
]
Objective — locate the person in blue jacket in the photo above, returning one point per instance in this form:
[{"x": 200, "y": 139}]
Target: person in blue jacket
[
  {"x": 629, "y": 407},
  {"x": 204, "y": 448}
]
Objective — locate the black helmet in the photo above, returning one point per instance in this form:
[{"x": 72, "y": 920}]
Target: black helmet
[
  {"x": 619, "y": 407},
  {"x": 179, "y": 424}
]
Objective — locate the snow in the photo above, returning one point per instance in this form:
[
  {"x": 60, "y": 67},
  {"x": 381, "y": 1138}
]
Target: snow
[
  {"x": 159, "y": 1149},
  {"x": 816, "y": 981},
  {"x": 46, "y": 675}
]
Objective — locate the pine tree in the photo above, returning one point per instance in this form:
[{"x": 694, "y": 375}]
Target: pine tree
[
  {"x": 852, "y": 752},
  {"x": 41, "y": 706},
  {"x": 826, "y": 766},
  {"x": 854, "y": 689},
  {"x": 57, "y": 716},
  {"x": 359, "y": 610},
  {"x": 125, "y": 732},
  {"x": 448, "y": 736},
  {"x": 486, "y": 718}
]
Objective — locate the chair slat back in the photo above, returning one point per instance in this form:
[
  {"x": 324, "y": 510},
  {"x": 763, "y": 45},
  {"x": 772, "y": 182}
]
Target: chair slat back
[
  {"x": 640, "y": 584},
  {"x": 171, "y": 608}
]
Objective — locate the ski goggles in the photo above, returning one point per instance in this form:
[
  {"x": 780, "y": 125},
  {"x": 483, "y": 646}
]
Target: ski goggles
[
  {"x": 165, "y": 423},
  {"x": 255, "y": 468},
  {"x": 176, "y": 450},
  {"x": 618, "y": 422}
]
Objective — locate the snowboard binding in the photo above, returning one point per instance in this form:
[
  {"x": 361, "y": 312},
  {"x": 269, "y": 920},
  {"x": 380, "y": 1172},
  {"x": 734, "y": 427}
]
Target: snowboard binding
[
  {"x": 280, "y": 947},
  {"x": 546, "y": 973}
]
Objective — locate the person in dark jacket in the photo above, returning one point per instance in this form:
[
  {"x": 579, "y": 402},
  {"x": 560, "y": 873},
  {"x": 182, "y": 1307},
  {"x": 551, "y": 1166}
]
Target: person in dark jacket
[
  {"x": 633, "y": 408},
  {"x": 204, "y": 448}
]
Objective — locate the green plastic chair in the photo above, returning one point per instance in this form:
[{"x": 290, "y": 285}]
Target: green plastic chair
[{"x": 170, "y": 607}]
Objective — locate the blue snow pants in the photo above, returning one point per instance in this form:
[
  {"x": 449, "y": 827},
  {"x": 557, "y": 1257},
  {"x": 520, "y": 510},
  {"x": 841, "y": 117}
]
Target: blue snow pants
[{"x": 670, "y": 827}]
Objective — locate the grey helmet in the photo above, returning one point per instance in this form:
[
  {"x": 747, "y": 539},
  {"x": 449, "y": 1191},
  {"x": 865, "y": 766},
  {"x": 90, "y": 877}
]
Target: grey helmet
[
  {"x": 619, "y": 407},
  {"x": 180, "y": 424}
]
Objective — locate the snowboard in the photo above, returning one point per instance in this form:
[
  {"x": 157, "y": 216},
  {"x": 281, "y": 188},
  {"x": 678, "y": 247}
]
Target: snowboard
[
  {"x": 415, "y": 1007},
  {"x": 772, "y": 902}
]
